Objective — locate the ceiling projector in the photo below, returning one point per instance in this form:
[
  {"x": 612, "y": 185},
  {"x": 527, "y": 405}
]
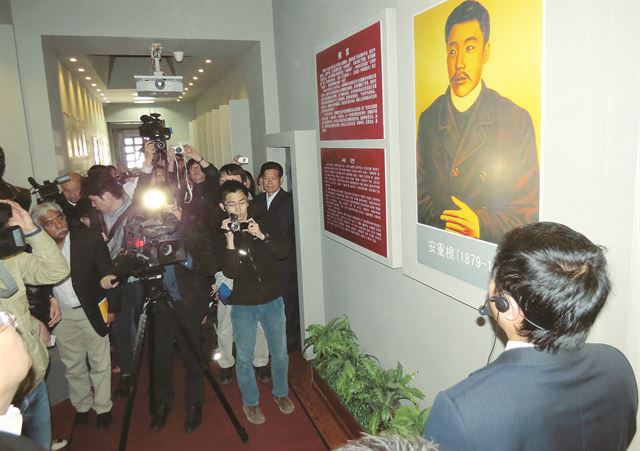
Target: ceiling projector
[{"x": 158, "y": 85}]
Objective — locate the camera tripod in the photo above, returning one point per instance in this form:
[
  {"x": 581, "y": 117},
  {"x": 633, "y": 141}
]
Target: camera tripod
[{"x": 154, "y": 293}]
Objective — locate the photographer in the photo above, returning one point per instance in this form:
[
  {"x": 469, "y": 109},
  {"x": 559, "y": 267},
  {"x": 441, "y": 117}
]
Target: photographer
[
  {"x": 44, "y": 265},
  {"x": 199, "y": 205},
  {"x": 108, "y": 197},
  {"x": 250, "y": 259}
]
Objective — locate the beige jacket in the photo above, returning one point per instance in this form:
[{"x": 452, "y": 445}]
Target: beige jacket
[{"x": 44, "y": 266}]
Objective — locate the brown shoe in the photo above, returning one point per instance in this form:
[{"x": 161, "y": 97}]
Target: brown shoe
[
  {"x": 254, "y": 414},
  {"x": 284, "y": 404}
]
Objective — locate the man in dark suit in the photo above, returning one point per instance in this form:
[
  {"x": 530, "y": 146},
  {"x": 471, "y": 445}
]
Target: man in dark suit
[
  {"x": 82, "y": 332},
  {"x": 548, "y": 390},
  {"x": 279, "y": 205},
  {"x": 477, "y": 163}
]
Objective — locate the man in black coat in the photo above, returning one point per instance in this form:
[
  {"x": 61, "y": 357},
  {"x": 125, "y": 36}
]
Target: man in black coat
[
  {"x": 548, "y": 390},
  {"x": 477, "y": 163},
  {"x": 82, "y": 332},
  {"x": 279, "y": 212}
]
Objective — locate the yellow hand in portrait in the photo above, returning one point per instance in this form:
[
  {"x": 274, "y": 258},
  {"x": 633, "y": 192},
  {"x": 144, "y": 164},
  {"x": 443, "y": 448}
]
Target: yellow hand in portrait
[{"x": 463, "y": 221}]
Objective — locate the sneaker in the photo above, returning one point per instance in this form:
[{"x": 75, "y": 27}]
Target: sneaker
[
  {"x": 104, "y": 420},
  {"x": 254, "y": 414},
  {"x": 59, "y": 443},
  {"x": 284, "y": 404},
  {"x": 225, "y": 375},
  {"x": 81, "y": 418},
  {"x": 264, "y": 374}
]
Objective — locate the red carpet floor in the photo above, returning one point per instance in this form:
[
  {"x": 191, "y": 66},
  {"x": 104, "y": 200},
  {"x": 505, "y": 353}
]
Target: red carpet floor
[{"x": 279, "y": 433}]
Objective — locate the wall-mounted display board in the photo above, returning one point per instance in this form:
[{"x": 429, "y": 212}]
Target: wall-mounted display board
[
  {"x": 477, "y": 114},
  {"x": 354, "y": 197},
  {"x": 349, "y": 77},
  {"x": 358, "y": 127}
]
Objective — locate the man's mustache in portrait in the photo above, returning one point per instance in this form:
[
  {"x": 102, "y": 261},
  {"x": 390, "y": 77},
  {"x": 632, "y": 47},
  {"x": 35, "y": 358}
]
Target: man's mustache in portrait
[{"x": 460, "y": 76}]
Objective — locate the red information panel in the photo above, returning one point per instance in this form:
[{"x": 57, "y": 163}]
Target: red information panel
[
  {"x": 353, "y": 195},
  {"x": 349, "y": 76}
]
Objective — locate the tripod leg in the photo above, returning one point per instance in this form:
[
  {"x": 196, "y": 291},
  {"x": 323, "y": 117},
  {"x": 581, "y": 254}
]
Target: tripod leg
[
  {"x": 137, "y": 357},
  {"x": 204, "y": 366}
]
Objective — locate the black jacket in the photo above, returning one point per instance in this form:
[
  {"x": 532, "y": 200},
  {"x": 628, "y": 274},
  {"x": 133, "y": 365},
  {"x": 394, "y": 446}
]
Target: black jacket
[
  {"x": 280, "y": 214},
  {"x": 253, "y": 265}
]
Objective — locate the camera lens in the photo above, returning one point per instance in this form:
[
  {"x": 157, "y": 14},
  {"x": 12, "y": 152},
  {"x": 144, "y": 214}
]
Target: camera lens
[
  {"x": 160, "y": 84},
  {"x": 165, "y": 249}
]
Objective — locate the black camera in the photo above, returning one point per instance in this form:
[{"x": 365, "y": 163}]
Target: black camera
[
  {"x": 235, "y": 225},
  {"x": 154, "y": 128},
  {"x": 148, "y": 240},
  {"x": 48, "y": 191},
  {"x": 11, "y": 238}
]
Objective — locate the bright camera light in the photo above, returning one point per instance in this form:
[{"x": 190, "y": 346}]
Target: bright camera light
[{"x": 154, "y": 199}]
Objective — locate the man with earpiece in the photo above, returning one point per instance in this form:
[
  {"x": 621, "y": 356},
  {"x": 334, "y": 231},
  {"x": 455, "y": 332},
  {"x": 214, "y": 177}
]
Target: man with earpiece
[{"x": 549, "y": 390}]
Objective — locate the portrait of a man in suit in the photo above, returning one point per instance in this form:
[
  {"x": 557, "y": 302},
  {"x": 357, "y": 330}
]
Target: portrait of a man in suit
[{"x": 477, "y": 159}]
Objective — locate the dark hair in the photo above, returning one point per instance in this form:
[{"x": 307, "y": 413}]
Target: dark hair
[
  {"x": 97, "y": 169},
  {"x": 558, "y": 278},
  {"x": 190, "y": 163},
  {"x": 232, "y": 186},
  {"x": 271, "y": 165},
  {"x": 466, "y": 11},
  {"x": 233, "y": 169},
  {"x": 100, "y": 182},
  {"x": 3, "y": 163},
  {"x": 252, "y": 183}
]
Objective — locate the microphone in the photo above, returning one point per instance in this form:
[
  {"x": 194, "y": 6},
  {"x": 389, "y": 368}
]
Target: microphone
[
  {"x": 32, "y": 181},
  {"x": 483, "y": 310}
]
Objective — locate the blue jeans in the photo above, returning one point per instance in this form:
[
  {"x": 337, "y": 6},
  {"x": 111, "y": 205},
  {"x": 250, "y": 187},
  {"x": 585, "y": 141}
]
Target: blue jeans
[
  {"x": 36, "y": 416},
  {"x": 245, "y": 322}
]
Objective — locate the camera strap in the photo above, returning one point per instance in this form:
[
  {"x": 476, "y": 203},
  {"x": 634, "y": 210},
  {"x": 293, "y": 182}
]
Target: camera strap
[{"x": 118, "y": 222}]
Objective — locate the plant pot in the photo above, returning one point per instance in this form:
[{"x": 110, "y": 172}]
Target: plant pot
[{"x": 340, "y": 412}]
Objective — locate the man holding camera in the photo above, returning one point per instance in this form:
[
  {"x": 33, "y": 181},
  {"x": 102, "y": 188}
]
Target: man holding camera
[
  {"x": 44, "y": 265},
  {"x": 250, "y": 259}
]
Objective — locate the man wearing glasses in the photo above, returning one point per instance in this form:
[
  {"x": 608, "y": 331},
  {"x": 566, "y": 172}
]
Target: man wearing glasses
[{"x": 250, "y": 259}]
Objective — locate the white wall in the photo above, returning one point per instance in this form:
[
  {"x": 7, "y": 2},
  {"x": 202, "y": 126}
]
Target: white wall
[
  {"x": 590, "y": 139},
  {"x": 250, "y": 20},
  {"x": 243, "y": 81},
  {"x": 176, "y": 116},
  {"x": 13, "y": 129}
]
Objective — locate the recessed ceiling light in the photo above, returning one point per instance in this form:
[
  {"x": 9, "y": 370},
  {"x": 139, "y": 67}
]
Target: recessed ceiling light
[
  {"x": 180, "y": 97},
  {"x": 80, "y": 69},
  {"x": 190, "y": 84},
  {"x": 177, "y": 100},
  {"x": 87, "y": 78},
  {"x": 195, "y": 78},
  {"x": 98, "y": 89},
  {"x": 94, "y": 85},
  {"x": 201, "y": 70},
  {"x": 102, "y": 94},
  {"x": 73, "y": 60},
  {"x": 186, "y": 89},
  {"x": 207, "y": 61}
]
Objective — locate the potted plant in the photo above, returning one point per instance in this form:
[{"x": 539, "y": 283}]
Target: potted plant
[{"x": 371, "y": 393}]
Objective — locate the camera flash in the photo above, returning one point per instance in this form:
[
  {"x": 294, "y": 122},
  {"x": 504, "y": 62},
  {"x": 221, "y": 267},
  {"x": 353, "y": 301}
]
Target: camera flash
[{"x": 154, "y": 199}]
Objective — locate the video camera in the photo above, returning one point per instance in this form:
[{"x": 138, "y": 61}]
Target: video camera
[
  {"x": 149, "y": 246},
  {"x": 48, "y": 191},
  {"x": 11, "y": 238},
  {"x": 154, "y": 128}
]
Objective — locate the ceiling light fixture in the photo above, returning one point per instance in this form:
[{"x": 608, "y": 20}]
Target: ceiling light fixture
[
  {"x": 98, "y": 89},
  {"x": 73, "y": 60},
  {"x": 94, "y": 85},
  {"x": 195, "y": 78},
  {"x": 177, "y": 100},
  {"x": 80, "y": 69},
  {"x": 87, "y": 78},
  {"x": 186, "y": 89},
  {"x": 201, "y": 70},
  {"x": 190, "y": 83},
  {"x": 207, "y": 61},
  {"x": 143, "y": 101}
]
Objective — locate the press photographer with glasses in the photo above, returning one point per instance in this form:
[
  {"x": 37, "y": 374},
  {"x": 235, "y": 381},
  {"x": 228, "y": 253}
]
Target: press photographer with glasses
[{"x": 250, "y": 259}]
